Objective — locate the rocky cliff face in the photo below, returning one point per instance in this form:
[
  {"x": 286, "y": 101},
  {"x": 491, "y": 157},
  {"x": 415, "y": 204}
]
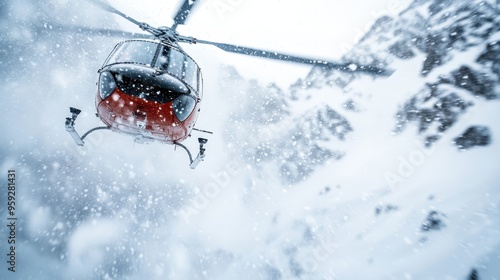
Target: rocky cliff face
[
  {"x": 462, "y": 59},
  {"x": 459, "y": 44},
  {"x": 266, "y": 132},
  {"x": 457, "y": 48}
]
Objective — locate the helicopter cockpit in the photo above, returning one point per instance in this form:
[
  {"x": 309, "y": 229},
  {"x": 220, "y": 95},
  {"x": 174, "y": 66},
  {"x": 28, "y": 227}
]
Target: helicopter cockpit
[{"x": 151, "y": 70}]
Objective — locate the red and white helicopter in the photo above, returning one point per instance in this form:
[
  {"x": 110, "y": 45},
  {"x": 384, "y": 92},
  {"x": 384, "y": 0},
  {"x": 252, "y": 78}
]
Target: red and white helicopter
[{"x": 151, "y": 89}]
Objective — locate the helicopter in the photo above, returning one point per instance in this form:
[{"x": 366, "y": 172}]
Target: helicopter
[{"x": 151, "y": 89}]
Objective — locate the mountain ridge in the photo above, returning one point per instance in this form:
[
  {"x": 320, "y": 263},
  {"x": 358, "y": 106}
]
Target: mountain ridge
[{"x": 460, "y": 63}]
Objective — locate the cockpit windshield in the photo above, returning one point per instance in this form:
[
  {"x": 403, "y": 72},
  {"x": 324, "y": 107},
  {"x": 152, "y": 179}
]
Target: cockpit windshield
[
  {"x": 158, "y": 56},
  {"x": 138, "y": 52},
  {"x": 178, "y": 65}
]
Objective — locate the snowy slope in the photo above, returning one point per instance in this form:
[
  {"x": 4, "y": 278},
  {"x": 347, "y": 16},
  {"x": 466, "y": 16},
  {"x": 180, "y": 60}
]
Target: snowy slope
[
  {"x": 405, "y": 200},
  {"x": 337, "y": 177}
]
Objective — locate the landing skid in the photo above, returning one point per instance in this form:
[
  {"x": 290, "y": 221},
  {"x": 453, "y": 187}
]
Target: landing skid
[
  {"x": 201, "y": 155},
  {"x": 70, "y": 127}
]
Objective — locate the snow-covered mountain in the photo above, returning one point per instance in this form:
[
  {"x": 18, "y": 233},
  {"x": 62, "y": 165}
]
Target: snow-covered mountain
[
  {"x": 455, "y": 47},
  {"x": 388, "y": 175},
  {"x": 337, "y": 177}
]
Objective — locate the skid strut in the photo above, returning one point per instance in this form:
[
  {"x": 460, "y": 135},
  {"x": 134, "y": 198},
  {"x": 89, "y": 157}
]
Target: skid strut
[
  {"x": 70, "y": 127},
  {"x": 201, "y": 155}
]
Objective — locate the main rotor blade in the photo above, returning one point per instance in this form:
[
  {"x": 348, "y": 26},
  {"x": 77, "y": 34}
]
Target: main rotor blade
[
  {"x": 89, "y": 31},
  {"x": 183, "y": 13},
  {"x": 107, "y": 7},
  {"x": 349, "y": 67}
]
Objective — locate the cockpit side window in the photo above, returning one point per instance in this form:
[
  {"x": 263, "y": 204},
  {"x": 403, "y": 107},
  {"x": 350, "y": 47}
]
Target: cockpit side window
[
  {"x": 190, "y": 72},
  {"x": 178, "y": 65},
  {"x": 137, "y": 52}
]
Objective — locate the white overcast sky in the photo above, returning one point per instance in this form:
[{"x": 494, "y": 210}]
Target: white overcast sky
[{"x": 315, "y": 28}]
